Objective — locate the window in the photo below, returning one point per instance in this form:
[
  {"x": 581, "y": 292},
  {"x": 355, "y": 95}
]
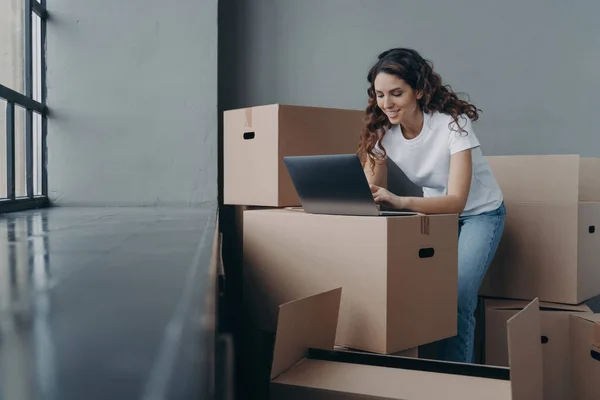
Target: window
[{"x": 23, "y": 111}]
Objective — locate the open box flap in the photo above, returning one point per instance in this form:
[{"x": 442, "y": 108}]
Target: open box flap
[
  {"x": 592, "y": 317},
  {"x": 525, "y": 353},
  {"x": 500, "y": 304},
  {"x": 597, "y": 335},
  {"x": 310, "y": 322}
]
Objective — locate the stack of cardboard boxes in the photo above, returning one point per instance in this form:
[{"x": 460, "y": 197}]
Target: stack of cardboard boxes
[
  {"x": 255, "y": 141},
  {"x": 399, "y": 273},
  {"x": 368, "y": 286},
  {"x": 550, "y": 250}
]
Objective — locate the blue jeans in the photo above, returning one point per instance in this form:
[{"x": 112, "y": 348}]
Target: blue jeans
[{"x": 478, "y": 238}]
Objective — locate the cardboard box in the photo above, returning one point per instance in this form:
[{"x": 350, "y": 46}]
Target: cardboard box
[
  {"x": 304, "y": 368},
  {"x": 585, "y": 356},
  {"x": 547, "y": 178},
  {"x": 399, "y": 273},
  {"x": 551, "y": 243},
  {"x": 256, "y": 139},
  {"x": 555, "y": 325}
]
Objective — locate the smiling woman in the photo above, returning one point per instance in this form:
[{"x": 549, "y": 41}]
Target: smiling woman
[
  {"x": 399, "y": 102},
  {"x": 423, "y": 127}
]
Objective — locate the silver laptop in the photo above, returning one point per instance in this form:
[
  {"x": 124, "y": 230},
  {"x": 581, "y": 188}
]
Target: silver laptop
[{"x": 334, "y": 184}]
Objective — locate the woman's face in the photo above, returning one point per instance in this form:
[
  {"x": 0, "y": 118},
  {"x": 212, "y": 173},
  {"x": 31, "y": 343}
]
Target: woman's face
[{"x": 395, "y": 97}]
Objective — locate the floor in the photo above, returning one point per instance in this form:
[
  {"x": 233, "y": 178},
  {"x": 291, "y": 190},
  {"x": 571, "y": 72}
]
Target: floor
[{"x": 103, "y": 303}]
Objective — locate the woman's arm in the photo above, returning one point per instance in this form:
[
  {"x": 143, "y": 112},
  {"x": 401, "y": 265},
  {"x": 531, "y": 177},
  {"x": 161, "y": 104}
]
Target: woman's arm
[{"x": 459, "y": 183}]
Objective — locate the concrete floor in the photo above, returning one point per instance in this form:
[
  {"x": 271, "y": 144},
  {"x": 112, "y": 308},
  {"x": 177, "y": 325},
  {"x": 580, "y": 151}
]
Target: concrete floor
[{"x": 103, "y": 303}]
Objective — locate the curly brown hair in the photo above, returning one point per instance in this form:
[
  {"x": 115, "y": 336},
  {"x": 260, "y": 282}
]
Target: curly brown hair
[{"x": 418, "y": 73}]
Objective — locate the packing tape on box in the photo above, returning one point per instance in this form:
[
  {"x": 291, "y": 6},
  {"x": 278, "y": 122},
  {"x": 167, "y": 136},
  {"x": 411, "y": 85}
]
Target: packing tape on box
[
  {"x": 248, "y": 114},
  {"x": 424, "y": 225}
]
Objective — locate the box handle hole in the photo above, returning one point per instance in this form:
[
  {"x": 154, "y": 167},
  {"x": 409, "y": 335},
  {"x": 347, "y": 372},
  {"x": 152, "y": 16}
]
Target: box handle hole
[
  {"x": 544, "y": 339},
  {"x": 592, "y": 229},
  {"x": 249, "y": 135},
  {"x": 595, "y": 355},
  {"x": 426, "y": 252}
]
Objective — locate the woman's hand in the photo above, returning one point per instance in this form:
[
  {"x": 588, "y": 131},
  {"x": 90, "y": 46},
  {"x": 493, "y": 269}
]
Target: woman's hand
[
  {"x": 459, "y": 183},
  {"x": 387, "y": 198}
]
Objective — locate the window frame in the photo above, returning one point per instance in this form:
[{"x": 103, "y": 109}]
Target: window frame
[{"x": 13, "y": 98}]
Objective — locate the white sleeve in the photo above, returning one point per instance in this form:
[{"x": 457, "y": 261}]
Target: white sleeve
[
  {"x": 462, "y": 139},
  {"x": 377, "y": 149}
]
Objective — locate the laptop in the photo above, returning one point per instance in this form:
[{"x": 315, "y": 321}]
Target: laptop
[{"x": 334, "y": 184}]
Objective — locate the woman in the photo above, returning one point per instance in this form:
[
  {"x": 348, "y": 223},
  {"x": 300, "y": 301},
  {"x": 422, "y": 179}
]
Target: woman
[{"x": 422, "y": 126}]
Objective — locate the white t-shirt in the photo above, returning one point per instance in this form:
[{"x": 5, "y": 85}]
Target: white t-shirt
[{"x": 425, "y": 160}]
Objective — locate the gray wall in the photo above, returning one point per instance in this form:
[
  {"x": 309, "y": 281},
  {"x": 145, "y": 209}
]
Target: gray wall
[
  {"x": 132, "y": 90},
  {"x": 533, "y": 68},
  {"x": 530, "y": 66}
]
